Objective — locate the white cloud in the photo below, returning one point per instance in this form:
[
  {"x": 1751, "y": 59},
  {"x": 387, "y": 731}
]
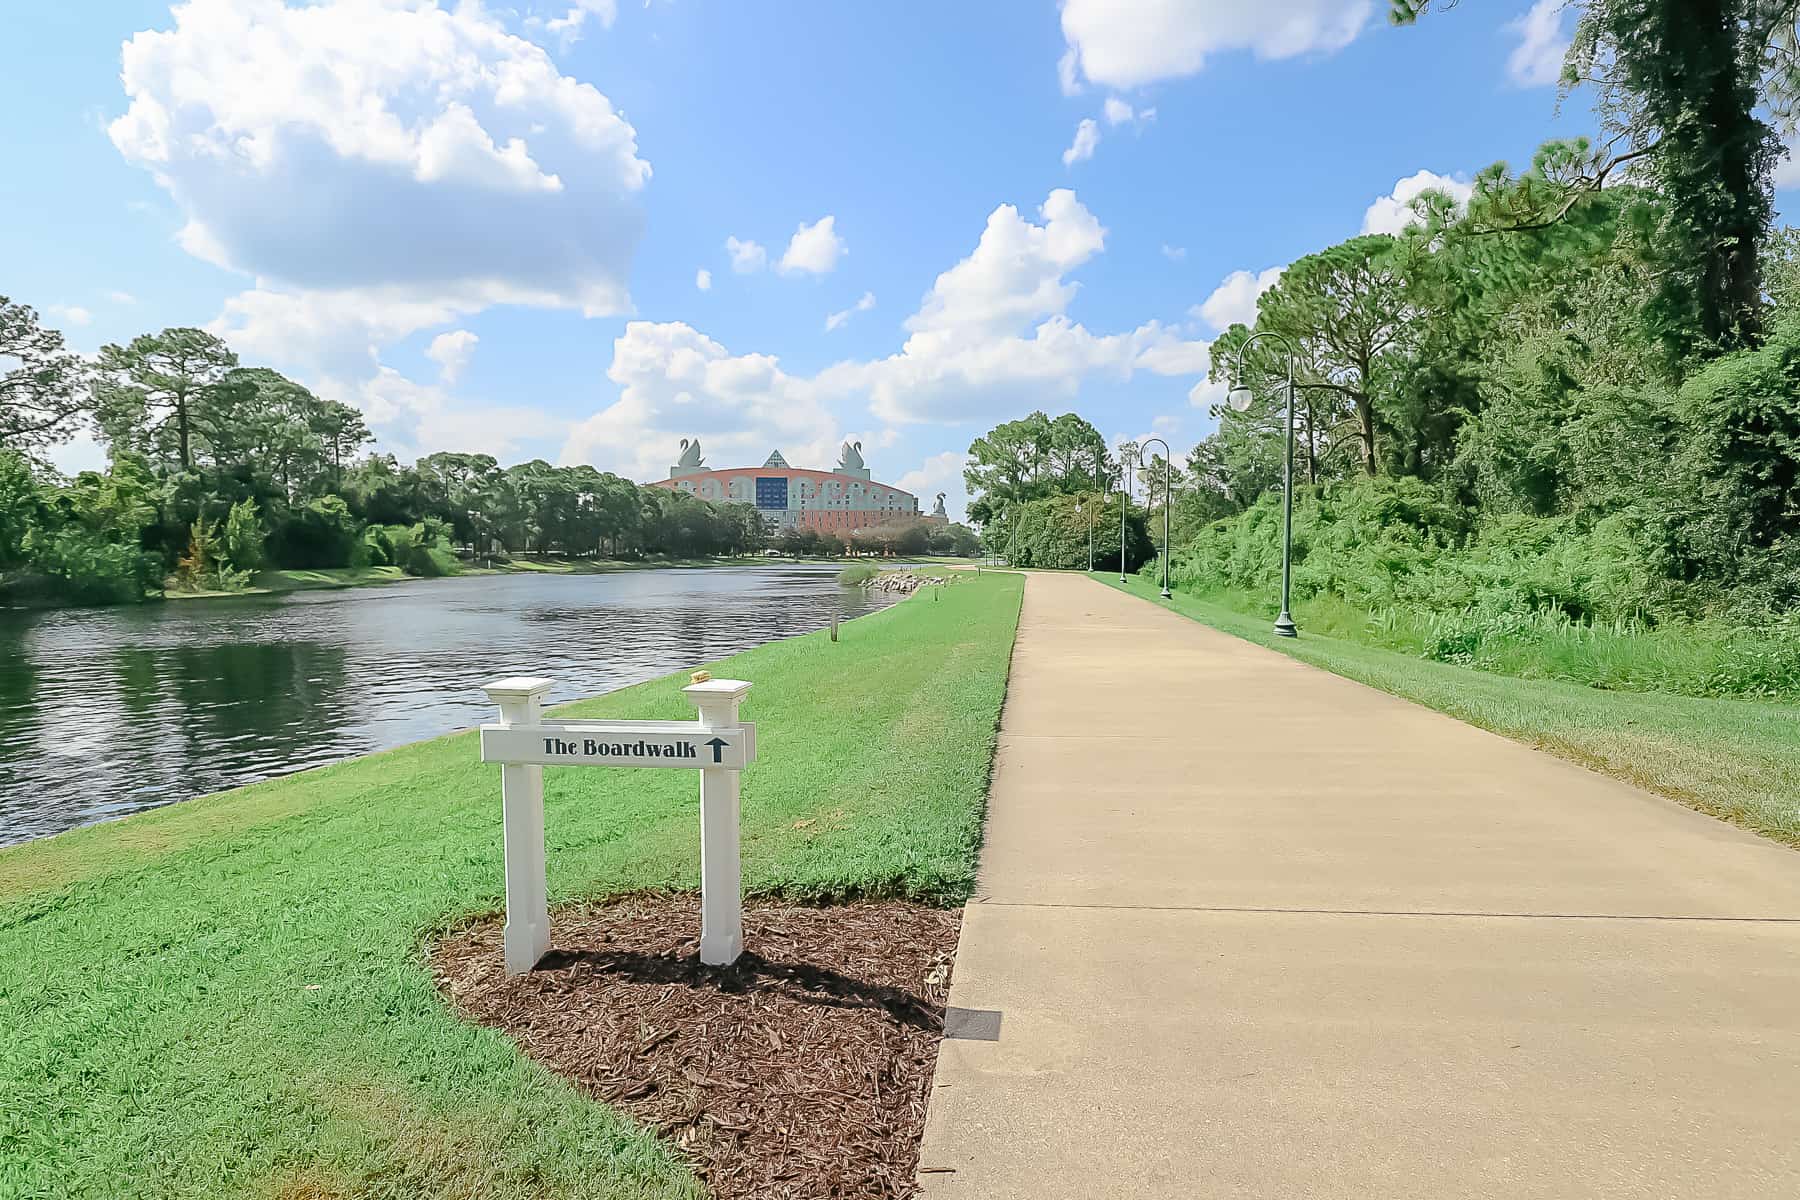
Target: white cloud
[
  {"x": 837, "y": 319},
  {"x": 336, "y": 333},
  {"x": 1066, "y": 70},
  {"x": 939, "y": 473},
  {"x": 990, "y": 336},
  {"x": 348, "y": 147},
  {"x": 1087, "y": 136},
  {"x": 746, "y": 256},
  {"x": 814, "y": 249},
  {"x": 1393, "y": 212},
  {"x": 1174, "y": 253},
  {"x": 121, "y": 297},
  {"x": 1537, "y": 60},
  {"x": 1787, "y": 171},
  {"x": 69, "y": 314},
  {"x": 1234, "y": 301},
  {"x": 1015, "y": 273},
  {"x": 570, "y": 26},
  {"x": 703, "y": 279},
  {"x": 83, "y": 452},
  {"x": 1118, "y": 112},
  {"x": 410, "y": 419},
  {"x": 676, "y": 382},
  {"x": 973, "y": 347},
  {"x": 1129, "y": 43},
  {"x": 1208, "y": 393},
  {"x": 451, "y": 352}
]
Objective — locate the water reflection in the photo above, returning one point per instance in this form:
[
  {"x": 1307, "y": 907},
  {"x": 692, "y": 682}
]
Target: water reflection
[{"x": 104, "y": 712}]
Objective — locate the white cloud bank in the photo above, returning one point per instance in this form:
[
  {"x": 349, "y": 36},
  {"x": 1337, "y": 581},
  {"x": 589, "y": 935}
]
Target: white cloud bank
[
  {"x": 1393, "y": 212},
  {"x": 1537, "y": 60},
  {"x": 991, "y": 335},
  {"x": 342, "y": 152},
  {"x": 940, "y": 473},
  {"x": 1130, "y": 43},
  {"x": 1233, "y": 302}
]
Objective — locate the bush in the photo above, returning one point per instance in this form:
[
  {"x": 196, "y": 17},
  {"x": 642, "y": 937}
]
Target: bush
[
  {"x": 1387, "y": 543},
  {"x": 1053, "y": 532},
  {"x": 243, "y": 536},
  {"x": 320, "y": 534},
  {"x": 1386, "y": 561},
  {"x": 87, "y": 568}
]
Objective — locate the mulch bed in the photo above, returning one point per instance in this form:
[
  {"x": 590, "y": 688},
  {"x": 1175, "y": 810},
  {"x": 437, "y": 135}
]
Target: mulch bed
[{"x": 799, "y": 1072}]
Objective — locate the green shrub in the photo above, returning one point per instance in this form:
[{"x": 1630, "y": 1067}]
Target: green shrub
[
  {"x": 319, "y": 534},
  {"x": 243, "y": 537},
  {"x": 1388, "y": 562}
]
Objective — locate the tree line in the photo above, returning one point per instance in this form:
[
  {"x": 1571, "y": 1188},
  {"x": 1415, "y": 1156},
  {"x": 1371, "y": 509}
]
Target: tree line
[
  {"x": 1573, "y": 398},
  {"x": 217, "y": 470}
]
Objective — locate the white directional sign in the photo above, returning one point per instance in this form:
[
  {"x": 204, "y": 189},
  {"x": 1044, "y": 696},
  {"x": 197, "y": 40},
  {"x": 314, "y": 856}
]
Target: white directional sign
[
  {"x": 718, "y": 745},
  {"x": 620, "y": 744}
]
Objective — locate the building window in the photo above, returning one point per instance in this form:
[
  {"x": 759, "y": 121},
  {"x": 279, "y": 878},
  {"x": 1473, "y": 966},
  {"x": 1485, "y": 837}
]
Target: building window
[{"x": 771, "y": 492}]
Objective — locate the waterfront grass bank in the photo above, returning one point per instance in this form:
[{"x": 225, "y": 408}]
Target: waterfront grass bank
[
  {"x": 228, "y": 997},
  {"x": 1738, "y": 760}
]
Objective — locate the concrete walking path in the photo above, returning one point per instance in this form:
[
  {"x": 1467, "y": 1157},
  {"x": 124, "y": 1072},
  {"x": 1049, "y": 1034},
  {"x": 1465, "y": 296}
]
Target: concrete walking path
[{"x": 1254, "y": 930}]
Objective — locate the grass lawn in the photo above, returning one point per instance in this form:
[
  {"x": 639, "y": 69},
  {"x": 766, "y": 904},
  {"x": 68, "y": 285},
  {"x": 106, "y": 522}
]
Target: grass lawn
[
  {"x": 227, "y": 997},
  {"x": 1735, "y": 759}
]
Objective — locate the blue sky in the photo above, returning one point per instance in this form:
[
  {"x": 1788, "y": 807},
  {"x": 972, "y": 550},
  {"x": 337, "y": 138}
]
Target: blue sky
[{"x": 485, "y": 225}]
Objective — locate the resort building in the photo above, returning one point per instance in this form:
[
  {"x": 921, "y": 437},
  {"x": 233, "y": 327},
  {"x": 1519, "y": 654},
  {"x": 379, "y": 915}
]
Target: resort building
[{"x": 842, "y": 499}]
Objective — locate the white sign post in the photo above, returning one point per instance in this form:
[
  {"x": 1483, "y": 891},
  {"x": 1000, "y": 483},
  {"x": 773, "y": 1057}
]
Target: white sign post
[{"x": 718, "y": 745}]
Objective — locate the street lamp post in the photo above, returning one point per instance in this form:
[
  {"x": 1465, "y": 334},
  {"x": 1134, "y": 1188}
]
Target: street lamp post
[
  {"x": 1125, "y": 477},
  {"x": 1240, "y": 398},
  {"x": 1088, "y": 509},
  {"x": 1168, "y": 489}
]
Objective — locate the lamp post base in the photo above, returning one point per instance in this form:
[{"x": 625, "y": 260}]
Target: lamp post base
[
  {"x": 1167, "y": 594},
  {"x": 1284, "y": 626}
]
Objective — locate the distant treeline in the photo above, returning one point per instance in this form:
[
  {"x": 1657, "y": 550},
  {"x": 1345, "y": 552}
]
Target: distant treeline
[{"x": 217, "y": 470}]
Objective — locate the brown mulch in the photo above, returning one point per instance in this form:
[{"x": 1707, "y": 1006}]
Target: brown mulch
[{"x": 801, "y": 1071}]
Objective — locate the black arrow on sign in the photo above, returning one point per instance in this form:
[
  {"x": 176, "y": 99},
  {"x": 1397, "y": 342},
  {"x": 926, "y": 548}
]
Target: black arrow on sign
[{"x": 718, "y": 747}]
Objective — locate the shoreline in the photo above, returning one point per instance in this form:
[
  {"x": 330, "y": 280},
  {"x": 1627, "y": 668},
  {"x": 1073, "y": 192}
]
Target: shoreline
[
  {"x": 338, "y": 579},
  {"x": 279, "y": 927}
]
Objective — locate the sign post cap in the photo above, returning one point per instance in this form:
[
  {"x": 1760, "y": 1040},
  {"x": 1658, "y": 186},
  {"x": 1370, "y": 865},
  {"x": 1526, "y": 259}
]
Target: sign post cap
[
  {"x": 517, "y": 687},
  {"x": 717, "y": 689}
]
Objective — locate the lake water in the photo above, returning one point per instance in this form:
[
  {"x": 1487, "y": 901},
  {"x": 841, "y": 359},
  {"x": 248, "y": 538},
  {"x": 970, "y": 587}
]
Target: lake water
[{"x": 104, "y": 712}]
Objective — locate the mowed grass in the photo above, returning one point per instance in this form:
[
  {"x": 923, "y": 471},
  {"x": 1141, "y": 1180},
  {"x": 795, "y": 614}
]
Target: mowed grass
[
  {"x": 1735, "y": 759},
  {"x": 228, "y": 997}
]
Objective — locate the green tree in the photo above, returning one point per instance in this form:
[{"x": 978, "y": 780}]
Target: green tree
[
  {"x": 1349, "y": 316},
  {"x": 153, "y": 394},
  {"x": 243, "y": 536},
  {"x": 1679, "y": 85},
  {"x": 343, "y": 431},
  {"x": 43, "y": 397},
  {"x": 89, "y": 535},
  {"x": 1035, "y": 457}
]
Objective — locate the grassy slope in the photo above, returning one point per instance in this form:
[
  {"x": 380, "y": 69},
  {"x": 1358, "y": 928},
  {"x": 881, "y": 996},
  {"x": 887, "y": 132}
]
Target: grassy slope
[
  {"x": 1735, "y": 759},
  {"x": 226, "y": 997}
]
